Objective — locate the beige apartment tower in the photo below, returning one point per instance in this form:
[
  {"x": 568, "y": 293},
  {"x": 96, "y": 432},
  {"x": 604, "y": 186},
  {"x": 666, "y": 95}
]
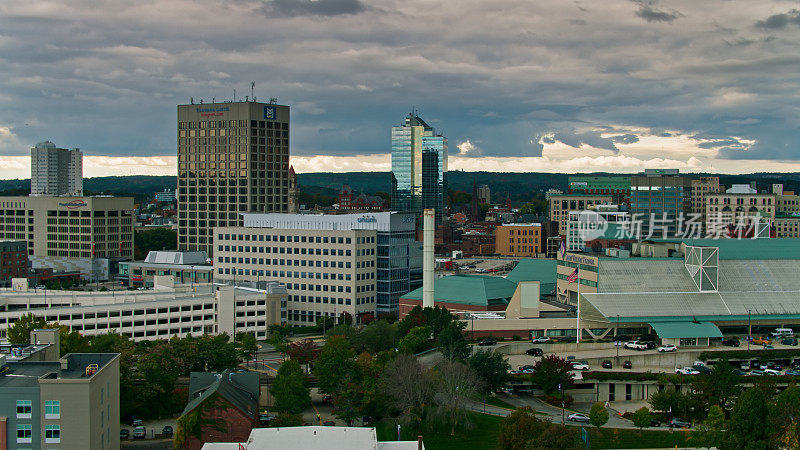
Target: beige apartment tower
[{"x": 232, "y": 158}]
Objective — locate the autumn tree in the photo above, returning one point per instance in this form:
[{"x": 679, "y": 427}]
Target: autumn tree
[{"x": 552, "y": 371}]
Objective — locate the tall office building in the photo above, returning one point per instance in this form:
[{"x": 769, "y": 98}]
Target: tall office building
[
  {"x": 232, "y": 158},
  {"x": 419, "y": 168},
  {"x": 56, "y": 171},
  {"x": 660, "y": 196}
]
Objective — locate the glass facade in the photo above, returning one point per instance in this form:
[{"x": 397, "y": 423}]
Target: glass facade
[{"x": 419, "y": 168}]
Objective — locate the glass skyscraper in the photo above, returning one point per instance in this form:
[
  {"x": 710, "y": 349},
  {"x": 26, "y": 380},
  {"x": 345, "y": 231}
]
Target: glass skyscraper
[{"x": 419, "y": 167}]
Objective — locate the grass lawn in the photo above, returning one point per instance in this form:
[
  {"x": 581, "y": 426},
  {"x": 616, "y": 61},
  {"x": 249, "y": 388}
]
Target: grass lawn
[
  {"x": 624, "y": 438},
  {"x": 494, "y": 401},
  {"x": 482, "y": 435}
]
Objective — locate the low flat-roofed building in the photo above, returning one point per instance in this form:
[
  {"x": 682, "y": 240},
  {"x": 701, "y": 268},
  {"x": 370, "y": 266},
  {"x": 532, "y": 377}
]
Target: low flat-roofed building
[
  {"x": 709, "y": 289},
  {"x": 154, "y": 314},
  {"x": 51, "y": 402},
  {"x": 186, "y": 267},
  {"x": 518, "y": 239},
  {"x": 315, "y": 437}
]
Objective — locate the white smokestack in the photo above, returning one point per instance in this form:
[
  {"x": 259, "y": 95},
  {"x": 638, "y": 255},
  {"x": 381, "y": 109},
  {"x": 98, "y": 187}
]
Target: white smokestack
[{"x": 427, "y": 258}]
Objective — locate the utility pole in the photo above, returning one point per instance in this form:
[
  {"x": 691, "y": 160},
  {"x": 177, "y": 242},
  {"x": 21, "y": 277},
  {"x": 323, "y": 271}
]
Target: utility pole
[
  {"x": 562, "y": 403},
  {"x": 749, "y": 330},
  {"x": 616, "y": 342}
]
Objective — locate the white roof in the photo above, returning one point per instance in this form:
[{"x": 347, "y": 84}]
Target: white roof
[
  {"x": 169, "y": 257},
  {"x": 314, "y": 438}
]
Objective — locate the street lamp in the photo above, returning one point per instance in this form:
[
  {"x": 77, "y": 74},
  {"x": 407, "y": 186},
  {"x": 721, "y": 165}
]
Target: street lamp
[{"x": 616, "y": 343}]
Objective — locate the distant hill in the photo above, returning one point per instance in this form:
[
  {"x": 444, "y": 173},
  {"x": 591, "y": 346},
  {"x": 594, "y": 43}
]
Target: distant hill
[{"x": 519, "y": 187}]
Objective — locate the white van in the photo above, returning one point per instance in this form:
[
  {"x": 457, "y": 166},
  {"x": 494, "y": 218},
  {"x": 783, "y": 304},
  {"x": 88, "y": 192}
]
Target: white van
[{"x": 782, "y": 332}]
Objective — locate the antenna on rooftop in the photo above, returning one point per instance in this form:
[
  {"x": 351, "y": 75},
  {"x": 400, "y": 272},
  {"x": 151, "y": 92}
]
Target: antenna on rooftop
[
  {"x": 273, "y": 100},
  {"x": 252, "y": 90},
  {"x": 234, "y": 94}
]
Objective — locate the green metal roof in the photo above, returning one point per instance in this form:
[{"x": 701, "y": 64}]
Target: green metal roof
[
  {"x": 541, "y": 270},
  {"x": 483, "y": 290},
  {"x": 673, "y": 330},
  {"x": 752, "y": 249}
]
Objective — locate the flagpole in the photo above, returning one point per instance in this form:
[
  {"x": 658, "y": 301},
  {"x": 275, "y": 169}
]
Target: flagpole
[{"x": 578, "y": 318}]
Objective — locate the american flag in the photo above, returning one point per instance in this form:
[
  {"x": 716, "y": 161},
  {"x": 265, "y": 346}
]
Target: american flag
[{"x": 572, "y": 277}]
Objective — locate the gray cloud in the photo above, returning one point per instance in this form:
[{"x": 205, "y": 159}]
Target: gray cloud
[
  {"x": 648, "y": 11},
  {"x": 107, "y": 78},
  {"x": 778, "y": 21},
  {"x": 317, "y": 7}
]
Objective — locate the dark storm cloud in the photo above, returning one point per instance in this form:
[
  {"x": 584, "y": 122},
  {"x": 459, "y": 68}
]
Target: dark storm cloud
[
  {"x": 778, "y": 21},
  {"x": 317, "y": 7},
  {"x": 649, "y": 12},
  {"x": 507, "y": 76}
]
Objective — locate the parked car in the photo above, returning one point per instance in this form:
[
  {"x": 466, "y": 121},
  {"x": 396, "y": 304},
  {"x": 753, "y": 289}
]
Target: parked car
[
  {"x": 756, "y": 372},
  {"x": 769, "y": 347},
  {"x": 627, "y": 365},
  {"x": 687, "y": 371},
  {"x": 789, "y": 341},
  {"x": 679, "y": 423},
  {"x": 265, "y": 418},
  {"x": 167, "y": 431},
  {"x": 570, "y": 357},
  {"x": 618, "y": 343},
  {"x": 668, "y": 348},
  {"x": 328, "y": 399},
  {"x": 527, "y": 366},
  {"x": 124, "y": 433},
  {"x": 329, "y": 423},
  {"x": 701, "y": 369},
  {"x": 795, "y": 365},
  {"x": 792, "y": 372},
  {"x": 534, "y": 352},
  {"x": 777, "y": 367},
  {"x": 540, "y": 340},
  {"x": 139, "y": 433},
  {"x": 578, "y": 417},
  {"x": 607, "y": 364},
  {"x": 636, "y": 345},
  {"x": 514, "y": 372},
  {"x": 654, "y": 423},
  {"x": 731, "y": 342},
  {"x": 580, "y": 365},
  {"x": 488, "y": 341},
  {"x": 745, "y": 366},
  {"x": 739, "y": 372},
  {"x": 137, "y": 423},
  {"x": 782, "y": 332},
  {"x": 771, "y": 372},
  {"x": 762, "y": 341}
]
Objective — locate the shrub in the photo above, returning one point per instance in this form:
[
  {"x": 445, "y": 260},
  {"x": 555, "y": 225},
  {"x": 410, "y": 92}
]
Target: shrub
[
  {"x": 516, "y": 338},
  {"x": 555, "y": 400}
]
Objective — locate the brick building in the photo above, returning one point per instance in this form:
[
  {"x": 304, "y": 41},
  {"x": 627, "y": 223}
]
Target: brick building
[
  {"x": 229, "y": 398},
  {"x": 13, "y": 261}
]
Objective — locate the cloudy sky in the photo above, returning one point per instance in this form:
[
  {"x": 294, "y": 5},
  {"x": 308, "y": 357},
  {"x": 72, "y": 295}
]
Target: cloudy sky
[{"x": 545, "y": 85}]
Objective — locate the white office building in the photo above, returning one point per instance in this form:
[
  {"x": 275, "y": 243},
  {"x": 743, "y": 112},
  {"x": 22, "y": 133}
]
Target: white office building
[{"x": 354, "y": 263}]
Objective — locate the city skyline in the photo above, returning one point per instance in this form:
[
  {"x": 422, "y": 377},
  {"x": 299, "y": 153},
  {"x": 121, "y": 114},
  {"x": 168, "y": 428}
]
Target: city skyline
[{"x": 550, "y": 87}]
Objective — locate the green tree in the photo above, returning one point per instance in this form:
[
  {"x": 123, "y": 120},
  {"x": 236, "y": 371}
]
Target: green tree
[
  {"x": 716, "y": 418},
  {"x": 552, "y": 371},
  {"x": 290, "y": 389},
  {"x": 555, "y": 437},
  {"x": 452, "y": 343},
  {"x": 246, "y": 343},
  {"x": 518, "y": 428},
  {"x": 154, "y": 239},
  {"x": 216, "y": 353},
  {"x": 720, "y": 387},
  {"x": 749, "y": 427},
  {"x": 285, "y": 419},
  {"x": 335, "y": 365},
  {"x": 785, "y": 417},
  {"x": 641, "y": 418},
  {"x": 491, "y": 367},
  {"x": 19, "y": 333},
  {"x": 377, "y": 336},
  {"x": 415, "y": 341},
  {"x": 598, "y": 415}
]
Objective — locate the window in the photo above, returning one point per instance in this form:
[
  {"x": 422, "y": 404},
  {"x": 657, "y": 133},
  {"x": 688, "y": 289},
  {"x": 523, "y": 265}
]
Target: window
[
  {"x": 52, "y": 434},
  {"x": 52, "y": 409},
  {"x": 24, "y": 409},
  {"x": 24, "y": 434}
]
